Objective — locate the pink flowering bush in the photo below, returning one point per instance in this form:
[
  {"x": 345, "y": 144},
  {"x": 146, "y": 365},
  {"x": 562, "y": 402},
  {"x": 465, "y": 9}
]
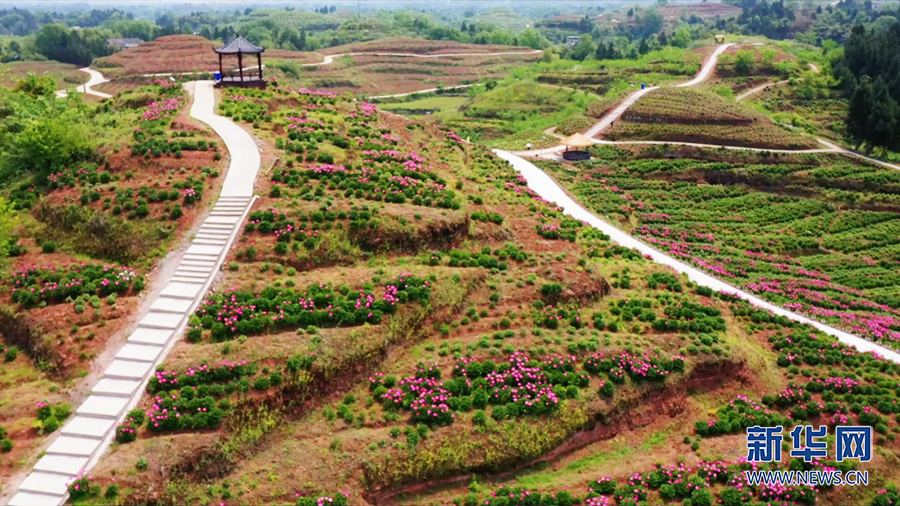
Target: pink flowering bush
[
  {"x": 338, "y": 499},
  {"x": 638, "y": 367},
  {"x": 82, "y": 486},
  {"x": 245, "y": 312},
  {"x": 33, "y": 284},
  {"x": 740, "y": 413}
]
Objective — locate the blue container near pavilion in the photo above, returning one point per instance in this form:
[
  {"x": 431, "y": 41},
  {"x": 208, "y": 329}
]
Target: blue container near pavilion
[
  {"x": 643, "y": 86},
  {"x": 217, "y": 76}
]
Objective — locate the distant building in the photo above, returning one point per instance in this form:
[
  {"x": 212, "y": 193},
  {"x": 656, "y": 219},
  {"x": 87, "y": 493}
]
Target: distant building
[
  {"x": 573, "y": 40},
  {"x": 123, "y": 43}
]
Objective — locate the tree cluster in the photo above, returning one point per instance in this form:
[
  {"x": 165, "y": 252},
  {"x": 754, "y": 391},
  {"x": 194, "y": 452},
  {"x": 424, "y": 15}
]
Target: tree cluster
[{"x": 870, "y": 71}]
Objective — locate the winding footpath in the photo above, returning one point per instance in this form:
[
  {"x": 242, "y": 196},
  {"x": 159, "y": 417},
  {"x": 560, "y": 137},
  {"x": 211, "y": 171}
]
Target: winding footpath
[
  {"x": 554, "y": 152},
  {"x": 548, "y": 189},
  {"x": 96, "y": 78},
  {"x": 81, "y": 441},
  {"x": 756, "y": 90}
]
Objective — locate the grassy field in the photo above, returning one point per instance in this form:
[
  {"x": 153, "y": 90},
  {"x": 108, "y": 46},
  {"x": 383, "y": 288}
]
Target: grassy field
[
  {"x": 424, "y": 106},
  {"x": 66, "y": 75},
  {"x": 516, "y": 112}
]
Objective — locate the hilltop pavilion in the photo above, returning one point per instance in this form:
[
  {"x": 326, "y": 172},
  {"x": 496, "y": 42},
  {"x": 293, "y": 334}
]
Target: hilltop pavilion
[{"x": 241, "y": 46}]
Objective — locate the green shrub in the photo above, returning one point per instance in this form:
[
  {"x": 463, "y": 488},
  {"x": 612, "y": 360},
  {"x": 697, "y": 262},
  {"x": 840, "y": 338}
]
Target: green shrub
[
  {"x": 48, "y": 246},
  {"x": 551, "y": 290},
  {"x": 49, "y": 425},
  {"x": 112, "y": 491}
]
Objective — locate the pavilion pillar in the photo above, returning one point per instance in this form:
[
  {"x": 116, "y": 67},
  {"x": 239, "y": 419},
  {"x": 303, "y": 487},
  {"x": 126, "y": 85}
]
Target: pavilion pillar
[
  {"x": 241, "y": 66},
  {"x": 221, "y": 73},
  {"x": 259, "y": 64}
]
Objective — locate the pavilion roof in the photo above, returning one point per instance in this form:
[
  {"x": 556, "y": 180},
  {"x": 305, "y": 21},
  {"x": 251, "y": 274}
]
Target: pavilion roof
[
  {"x": 239, "y": 45},
  {"x": 577, "y": 140}
]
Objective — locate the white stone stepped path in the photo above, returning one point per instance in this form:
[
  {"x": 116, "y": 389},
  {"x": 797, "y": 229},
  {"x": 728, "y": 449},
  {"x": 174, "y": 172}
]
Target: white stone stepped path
[
  {"x": 89, "y": 432},
  {"x": 548, "y": 189}
]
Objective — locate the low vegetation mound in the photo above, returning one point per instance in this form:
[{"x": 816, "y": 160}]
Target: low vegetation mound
[
  {"x": 183, "y": 53},
  {"x": 421, "y": 46},
  {"x": 687, "y": 115}
]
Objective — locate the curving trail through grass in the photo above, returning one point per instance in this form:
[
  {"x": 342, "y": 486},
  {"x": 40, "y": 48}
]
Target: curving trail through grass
[
  {"x": 96, "y": 78},
  {"x": 77, "y": 446},
  {"x": 753, "y": 91},
  {"x": 548, "y": 189}
]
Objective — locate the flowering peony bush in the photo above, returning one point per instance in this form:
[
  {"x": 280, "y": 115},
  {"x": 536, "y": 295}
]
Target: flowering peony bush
[
  {"x": 321, "y": 305},
  {"x": 33, "y": 284}
]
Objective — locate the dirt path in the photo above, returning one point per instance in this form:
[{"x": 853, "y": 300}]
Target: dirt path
[
  {"x": 747, "y": 93},
  {"x": 547, "y": 188},
  {"x": 429, "y": 90},
  {"x": 329, "y": 59}
]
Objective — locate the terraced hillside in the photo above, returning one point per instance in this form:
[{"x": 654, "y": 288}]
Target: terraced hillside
[
  {"x": 92, "y": 227},
  {"x": 404, "y": 322},
  {"x": 813, "y": 233},
  {"x": 689, "y": 115}
]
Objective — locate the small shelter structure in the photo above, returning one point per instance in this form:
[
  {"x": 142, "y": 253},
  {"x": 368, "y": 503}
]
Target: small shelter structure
[
  {"x": 240, "y": 47},
  {"x": 720, "y": 38},
  {"x": 580, "y": 143}
]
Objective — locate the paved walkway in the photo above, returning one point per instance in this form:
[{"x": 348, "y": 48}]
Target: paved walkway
[
  {"x": 96, "y": 78},
  {"x": 616, "y": 113},
  {"x": 85, "y": 437},
  {"x": 547, "y": 188},
  {"x": 707, "y": 67}
]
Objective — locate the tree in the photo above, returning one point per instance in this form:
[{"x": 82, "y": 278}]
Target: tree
[
  {"x": 49, "y": 146},
  {"x": 631, "y": 12},
  {"x": 650, "y": 23},
  {"x": 768, "y": 57},
  {"x": 883, "y": 118},
  {"x": 584, "y": 48},
  {"x": 32, "y": 84},
  {"x": 743, "y": 62},
  {"x": 7, "y": 224},
  {"x": 860, "y": 109},
  {"x": 682, "y": 37},
  {"x": 549, "y": 56},
  {"x": 663, "y": 41},
  {"x": 644, "y": 47},
  {"x": 531, "y": 38}
]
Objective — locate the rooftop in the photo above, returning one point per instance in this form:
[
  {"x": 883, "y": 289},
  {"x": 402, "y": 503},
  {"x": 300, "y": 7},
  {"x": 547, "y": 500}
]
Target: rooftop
[{"x": 239, "y": 45}]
